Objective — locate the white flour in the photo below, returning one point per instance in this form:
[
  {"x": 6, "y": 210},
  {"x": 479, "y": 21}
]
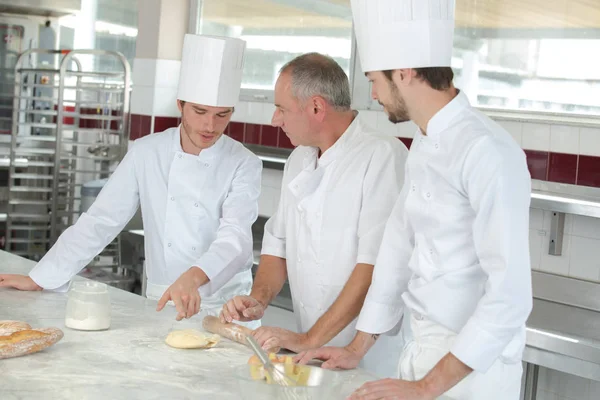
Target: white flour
[{"x": 88, "y": 324}]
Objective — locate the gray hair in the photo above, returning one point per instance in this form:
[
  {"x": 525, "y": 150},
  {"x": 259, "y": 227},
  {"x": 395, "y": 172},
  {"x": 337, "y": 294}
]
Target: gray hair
[{"x": 315, "y": 74}]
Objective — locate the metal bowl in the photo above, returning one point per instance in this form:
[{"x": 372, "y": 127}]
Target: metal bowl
[{"x": 321, "y": 384}]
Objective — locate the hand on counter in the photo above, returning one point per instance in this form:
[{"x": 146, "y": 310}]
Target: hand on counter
[
  {"x": 242, "y": 308},
  {"x": 184, "y": 293},
  {"x": 19, "y": 282},
  {"x": 271, "y": 337},
  {"x": 333, "y": 357},
  {"x": 391, "y": 389}
]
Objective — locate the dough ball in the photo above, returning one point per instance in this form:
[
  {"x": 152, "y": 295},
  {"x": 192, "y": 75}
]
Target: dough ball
[{"x": 191, "y": 339}]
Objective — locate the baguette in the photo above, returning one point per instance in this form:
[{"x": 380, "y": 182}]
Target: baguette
[
  {"x": 9, "y": 327},
  {"x": 28, "y": 341}
]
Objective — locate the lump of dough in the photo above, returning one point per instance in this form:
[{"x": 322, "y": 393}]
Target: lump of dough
[{"x": 191, "y": 339}]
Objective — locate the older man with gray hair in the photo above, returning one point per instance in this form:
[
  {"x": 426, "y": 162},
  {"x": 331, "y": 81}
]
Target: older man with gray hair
[{"x": 339, "y": 187}]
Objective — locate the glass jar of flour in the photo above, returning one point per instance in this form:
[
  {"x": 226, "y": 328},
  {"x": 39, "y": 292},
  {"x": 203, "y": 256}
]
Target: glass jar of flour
[{"x": 88, "y": 306}]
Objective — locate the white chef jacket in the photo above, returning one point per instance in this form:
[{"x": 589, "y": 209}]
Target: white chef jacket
[
  {"x": 331, "y": 216},
  {"x": 197, "y": 210},
  {"x": 456, "y": 247}
]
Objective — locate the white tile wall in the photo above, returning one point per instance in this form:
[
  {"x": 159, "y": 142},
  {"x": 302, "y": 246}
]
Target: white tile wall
[
  {"x": 536, "y": 219},
  {"x": 270, "y": 193},
  {"x": 142, "y": 100},
  {"x": 536, "y": 238},
  {"x": 565, "y": 386},
  {"x": 564, "y": 139},
  {"x": 369, "y": 118},
  {"x": 586, "y": 227},
  {"x": 556, "y": 264},
  {"x": 385, "y": 126},
  {"x": 165, "y": 102},
  {"x": 589, "y": 141},
  {"x": 536, "y": 136},
  {"x": 407, "y": 129},
  {"x": 569, "y": 218},
  {"x": 585, "y": 260},
  {"x": 167, "y": 73},
  {"x": 515, "y": 128}
]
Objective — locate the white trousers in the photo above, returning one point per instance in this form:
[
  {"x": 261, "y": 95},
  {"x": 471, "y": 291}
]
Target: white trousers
[{"x": 430, "y": 342}]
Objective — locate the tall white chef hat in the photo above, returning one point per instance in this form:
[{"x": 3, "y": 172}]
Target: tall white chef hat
[
  {"x": 211, "y": 70},
  {"x": 394, "y": 34}
]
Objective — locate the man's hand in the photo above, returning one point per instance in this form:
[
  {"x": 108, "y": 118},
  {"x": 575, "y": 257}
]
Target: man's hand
[
  {"x": 392, "y": 389},
  {"x": 19, "y": 282},
  {"x": 242, "y": 308},
  {"x": 271, "y": 337},
  {"x": 334, "y": 357},
  {"x": 184, "y": 293}
]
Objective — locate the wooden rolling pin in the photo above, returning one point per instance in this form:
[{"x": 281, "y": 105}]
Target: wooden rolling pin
[{"x": 231, "y": 331}]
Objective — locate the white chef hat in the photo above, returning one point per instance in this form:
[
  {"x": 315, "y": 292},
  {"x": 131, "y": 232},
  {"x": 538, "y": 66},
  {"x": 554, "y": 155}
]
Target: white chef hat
[
  {"x": 394, "y": 34},
  {"x": 211, "y": 70}
]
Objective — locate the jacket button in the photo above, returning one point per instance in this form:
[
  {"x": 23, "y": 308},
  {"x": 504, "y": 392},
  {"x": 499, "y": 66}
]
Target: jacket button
[
  {"x": 172, "y": 198},
  {"x": 193, "y": 248},
  {"x": 195, "y": 204},
  {"x": 428, "y": 194},
  {"x": 206, "y": 164},
  {"x": 169, "y": 244},
  {"x": 180, "y": 156}
]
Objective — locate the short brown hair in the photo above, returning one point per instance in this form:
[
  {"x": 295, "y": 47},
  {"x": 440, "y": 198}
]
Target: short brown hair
[{"x": 439, "y": 78}]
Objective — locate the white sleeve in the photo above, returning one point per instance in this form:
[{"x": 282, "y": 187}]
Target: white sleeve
[
  {"x": 274, "y": 237},
  {"x": 231, "y": 251},
  {"x": 499, "y": 189},
  {"x": 94, "y": 230},
  {"x": 383, "y": 307},
  {"x": 381, "y": 188}
]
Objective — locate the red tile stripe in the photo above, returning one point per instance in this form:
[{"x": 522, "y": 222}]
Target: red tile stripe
[{"x": 547, "y": 166}]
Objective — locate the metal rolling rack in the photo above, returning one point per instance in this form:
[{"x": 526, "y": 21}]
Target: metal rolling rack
[{"x": 69, "y": 127}]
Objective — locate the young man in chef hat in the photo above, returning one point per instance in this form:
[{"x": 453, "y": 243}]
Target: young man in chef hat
[
  {"x": 454, "y": 261},
  {"x": 198, "y": 190},
  {"x": 339, "y": 186}
]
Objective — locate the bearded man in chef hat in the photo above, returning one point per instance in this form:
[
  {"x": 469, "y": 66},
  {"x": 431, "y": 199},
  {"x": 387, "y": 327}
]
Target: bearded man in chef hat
[
  {"x": 198, "y": 191},
  {"x": 454, "y": 266}
]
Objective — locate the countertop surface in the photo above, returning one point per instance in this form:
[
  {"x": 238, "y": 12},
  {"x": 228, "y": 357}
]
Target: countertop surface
[{"x": 128, "y": 361}]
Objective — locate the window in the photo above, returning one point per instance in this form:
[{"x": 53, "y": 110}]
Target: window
[
  {"x": 276, "y": 31},
  {"x": 533, "y": 55}
]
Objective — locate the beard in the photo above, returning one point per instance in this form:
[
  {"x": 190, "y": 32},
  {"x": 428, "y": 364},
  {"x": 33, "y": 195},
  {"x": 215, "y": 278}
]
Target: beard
[{"x": 397, "y": 111}]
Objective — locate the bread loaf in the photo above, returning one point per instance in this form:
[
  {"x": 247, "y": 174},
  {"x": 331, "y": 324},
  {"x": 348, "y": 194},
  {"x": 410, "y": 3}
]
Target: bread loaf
[
  {"x": 28, "y": 341},
  {"x": 9, "y": 327}
]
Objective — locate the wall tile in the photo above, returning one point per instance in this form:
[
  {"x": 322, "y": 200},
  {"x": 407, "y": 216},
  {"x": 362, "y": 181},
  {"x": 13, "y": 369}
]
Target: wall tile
[
  {"x": 564, "y": 139},
  {"x": 284, "y": 141},
  {"x": 272, "y": 178},
  {"x": 545, "y": 395},
  {"x": 269, "y": 136},
  {"x": 143, "y": 72},
  {"x": 268, "y": 111},
  {"x": 142, "y": 100},
  {"x": 145, "y": 125},
  {"x": 135, "y": 127},
  {"x": 236, "y": 131},
  {"x": 256, "y": 113},
  {"x": 385, "y": 126},
  {"x": 536, "y": 136},
  {"x": 266, "y": 201},
  {"x": 585, "y": 260},
  {"x": 252, "y": 134},
  {"x": 240, "y": 114},
  {"x": 535, "y": 248},
  {"x": 164, "y": 123},
  {"x": 407, "y": 142},
  {"x": 594, "y": 390},
  {"x": 562, "y": 168},
  {"x": 167, "y": 73},
  {"x": 588, "y": 171},
  {"x": 536, "y": 219},
  {"x": 589, "y": 141},
  {"x": 515, "y": 128},
  {"x": 407, "y": 129},
  {"x": 537, "y": 161},
  {"x": 165, "y": 102},
  {"x": 369, "y": 118},
  {"x": 588, "y": 227}
]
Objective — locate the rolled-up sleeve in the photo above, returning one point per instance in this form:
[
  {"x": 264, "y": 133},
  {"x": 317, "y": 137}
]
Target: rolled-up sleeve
[
  {"x": 499, "y": 190},
  {"x": 231, "y": 251},
  {"x": 274, "y": 238}
]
